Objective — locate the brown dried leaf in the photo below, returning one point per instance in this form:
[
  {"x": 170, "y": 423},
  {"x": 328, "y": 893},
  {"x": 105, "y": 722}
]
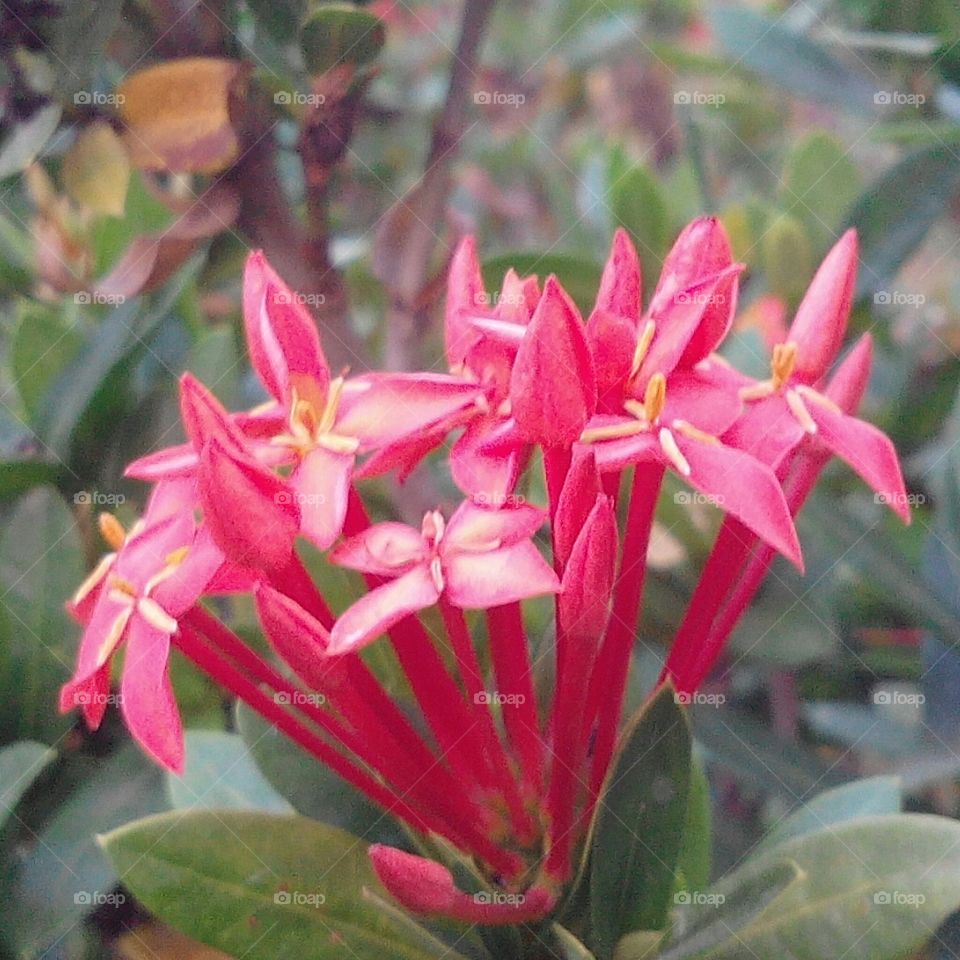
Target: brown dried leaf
[{"x": 178, "y": 117}]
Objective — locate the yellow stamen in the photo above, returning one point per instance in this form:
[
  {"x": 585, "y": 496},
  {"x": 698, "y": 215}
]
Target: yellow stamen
[
  {"x": 655, "y": 397},
  {"x": 673, "y": 453},
  {"x": 808, "y": 393},
  {"x": 689, "y": 430},
  {"x": 615, "y": 431},
  {"x": 643, "y": 347},
  {"x": 95, "y": 577},
  {"x": 111, "y": 529},
  {"x": 783, "y": 362},
  {"x": 155, "y": 615},
  {"x": 114, "y": 636},
  {"x": 436, "y": 572},
  {"x": 799, "y": 409},
  {"x": 173, "y": 561}
]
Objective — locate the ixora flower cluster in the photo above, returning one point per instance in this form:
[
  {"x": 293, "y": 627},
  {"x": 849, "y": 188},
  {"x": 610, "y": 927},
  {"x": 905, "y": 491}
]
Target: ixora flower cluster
[{"x": 507, "y": 776}]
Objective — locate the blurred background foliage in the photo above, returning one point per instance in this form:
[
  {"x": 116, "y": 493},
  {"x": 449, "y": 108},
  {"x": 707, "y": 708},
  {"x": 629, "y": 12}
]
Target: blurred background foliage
[{"x": 146, "y": 145}]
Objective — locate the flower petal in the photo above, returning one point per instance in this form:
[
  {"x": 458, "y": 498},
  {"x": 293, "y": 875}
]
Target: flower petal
[
  {"x": 178, "y": 461},
  {"x": 385, "y": 549},
  {"x": 249, "y": 510},
  {"x": 868, "y": 451},
  {"x": 473, "y": 527},
  {"x": 465, "y": 296},
  {"x": 321, "y": 485},
  {"x": 205, "y": 417},
  {"x": 577, "y": 498},
  {"x": 620, "y": 285},
  {"x": 552, "y": 389},
  {"x": 281, "y": 335},
  {"x": 745, "y": 488},
  {"x": 487, "y": 477},
  {"x": 767, "y": 430},
  {"x": 147, "y": 703},
  {"x": 379, "y": 409},
  {"x": 821, "y": 319},
  {"x": 381, "y": 608},
  {"x": 476, "y": 581}
]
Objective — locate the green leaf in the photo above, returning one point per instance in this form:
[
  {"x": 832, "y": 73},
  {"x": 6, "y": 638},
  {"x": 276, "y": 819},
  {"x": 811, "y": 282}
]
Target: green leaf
[
  {"x": 639, "y": 945},
  {"x": 82, "y": 32},
  {"x": 19, "y": 476},
  {"x": 820, "y": 182},
  {"x": 96, "y": 170},
  {"x": 697, "y": 842},
  {"x": 20, "y": 764},
  {"x": 637, "y": 205},
  {"x": 580, "y": 276},
  {"x": 259, "y": 886},
  {"x": 796, "y": 63},
  {"x": 40, "y": 566},
  {"x": 787, "y": 258},
  {"x": 220, "y": 774},
  {"x": 705, "y": 921},
  {"x": 874, "y": 887},
  {"x": 338, "y": 33},
  {"x": 64, "y": 873},
  {"x": 895, "y": 213},
  {"x": 43, "y": 344},
  {"x": 279, "y": 17},
  {"x": 862, "y": 798},
  {"x": 639, "y": 822},
  {"x": 312, "y": 788}
]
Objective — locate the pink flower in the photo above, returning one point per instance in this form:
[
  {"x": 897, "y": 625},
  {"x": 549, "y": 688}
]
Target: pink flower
[
  {"x": 155, "y": 576},
  {"x": 479, "y": 559}
]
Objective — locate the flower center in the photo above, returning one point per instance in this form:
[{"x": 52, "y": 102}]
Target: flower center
[{"x": 312, "y": 427}]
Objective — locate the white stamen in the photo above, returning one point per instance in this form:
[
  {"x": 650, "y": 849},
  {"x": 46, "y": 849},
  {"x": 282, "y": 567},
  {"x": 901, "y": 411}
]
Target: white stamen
[{"x": 669, "y": 446}]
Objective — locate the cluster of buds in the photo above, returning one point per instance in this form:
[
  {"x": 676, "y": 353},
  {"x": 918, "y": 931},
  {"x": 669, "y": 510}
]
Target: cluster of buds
[{"x": 490, "y": 765}]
